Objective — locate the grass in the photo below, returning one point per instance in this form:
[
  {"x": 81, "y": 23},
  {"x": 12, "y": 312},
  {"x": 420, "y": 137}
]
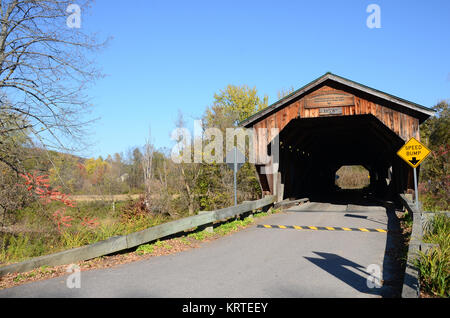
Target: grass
[
  {"x": 151, "y": 247},
  {"x": 407, "y": 219},
  {"x": 434, "y": 265},
  {"x": 160, "y": 247},
  {"x": 38, "y": 235},
  {"x": 229, "y": 227},
  {"x": 145, "y": 249},
  {"x": 42, "y": 238}
]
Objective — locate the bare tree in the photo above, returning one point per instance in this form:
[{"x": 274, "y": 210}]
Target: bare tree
[
  {"x": 45, "y": 66},
  {"x": 187, "y": 173},
  {"x": 285, "y": 92},
  {"x": 147, "y": 162}
]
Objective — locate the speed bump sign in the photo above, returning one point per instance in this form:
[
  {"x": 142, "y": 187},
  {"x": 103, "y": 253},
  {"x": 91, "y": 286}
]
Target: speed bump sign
[{"x": 413, "y": 152}]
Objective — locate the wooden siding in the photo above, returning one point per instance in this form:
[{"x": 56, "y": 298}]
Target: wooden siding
[{"x": 401, "y": 123}]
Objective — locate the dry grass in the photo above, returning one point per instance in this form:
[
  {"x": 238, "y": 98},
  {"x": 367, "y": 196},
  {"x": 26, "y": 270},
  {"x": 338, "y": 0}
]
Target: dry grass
[{"x": 352, "y": 177}]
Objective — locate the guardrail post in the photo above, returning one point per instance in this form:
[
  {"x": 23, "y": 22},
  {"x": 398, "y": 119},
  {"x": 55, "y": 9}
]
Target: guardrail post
[{"x": 208, "y": 229}]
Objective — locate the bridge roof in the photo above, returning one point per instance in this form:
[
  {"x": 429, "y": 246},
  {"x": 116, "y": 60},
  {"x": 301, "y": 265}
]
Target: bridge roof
[{"x": 419, "y": 111}]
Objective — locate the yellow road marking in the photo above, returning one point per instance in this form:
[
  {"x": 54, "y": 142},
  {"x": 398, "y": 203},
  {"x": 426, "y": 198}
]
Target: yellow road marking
[{"x": 315, "y": 228}]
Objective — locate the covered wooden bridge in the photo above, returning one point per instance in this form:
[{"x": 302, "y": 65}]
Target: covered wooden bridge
[{"x": 329, "y": 123}]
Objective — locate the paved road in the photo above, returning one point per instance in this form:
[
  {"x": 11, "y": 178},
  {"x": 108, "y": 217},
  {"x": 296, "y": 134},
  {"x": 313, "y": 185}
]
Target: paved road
[{"x": 256, "y": 262}]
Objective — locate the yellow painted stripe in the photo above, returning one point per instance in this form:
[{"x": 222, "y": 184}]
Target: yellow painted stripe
[{"x": 329, "y": 228}]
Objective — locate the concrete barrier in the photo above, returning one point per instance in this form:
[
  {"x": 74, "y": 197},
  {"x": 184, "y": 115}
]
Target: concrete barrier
[
  {"x": 120, "y": 243},
  {"x": 411, "y": 286},
  {"x": 286, "y": 204}
]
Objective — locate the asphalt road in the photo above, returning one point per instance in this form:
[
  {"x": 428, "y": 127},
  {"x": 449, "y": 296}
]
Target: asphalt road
[{"x": 257, "y": 262}]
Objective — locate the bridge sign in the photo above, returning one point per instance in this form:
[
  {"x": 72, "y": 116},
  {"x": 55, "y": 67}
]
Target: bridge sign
[
  {"x": 413, "y": 152},
  {"x": 235, "y": 156}
]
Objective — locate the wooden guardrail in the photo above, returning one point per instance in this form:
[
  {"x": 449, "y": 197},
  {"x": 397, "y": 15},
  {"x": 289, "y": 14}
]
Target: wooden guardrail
[
  {"x": 120, "y": 243},
  {"x": 411, "y": 287}
]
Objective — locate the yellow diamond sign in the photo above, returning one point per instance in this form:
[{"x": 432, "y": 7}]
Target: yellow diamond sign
[{"x": 413, "y": 152}]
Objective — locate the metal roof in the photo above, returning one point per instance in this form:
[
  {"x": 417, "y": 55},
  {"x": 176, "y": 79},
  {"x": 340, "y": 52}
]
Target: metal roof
[{"x": 424, "y": 111}]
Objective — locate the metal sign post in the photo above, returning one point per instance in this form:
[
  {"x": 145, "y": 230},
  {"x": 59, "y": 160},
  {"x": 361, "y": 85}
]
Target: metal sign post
[
  {"x": 234, "y": 175},
  {"x": 416, "y": 192}
]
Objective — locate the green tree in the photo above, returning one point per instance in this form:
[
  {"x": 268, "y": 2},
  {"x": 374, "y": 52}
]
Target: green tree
[
  {"x": 436, "y": 130},
  {"x": 96, "y": 170},
  {"x": 134, "y": 169},
  {"x": 65, "y": 174},
  {"x": 232, "y": 105},
  {"x": 435, "y": 178}
]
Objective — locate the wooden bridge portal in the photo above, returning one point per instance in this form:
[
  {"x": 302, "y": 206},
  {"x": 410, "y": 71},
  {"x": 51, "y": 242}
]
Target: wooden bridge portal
[{"x": 329, "y": 123}]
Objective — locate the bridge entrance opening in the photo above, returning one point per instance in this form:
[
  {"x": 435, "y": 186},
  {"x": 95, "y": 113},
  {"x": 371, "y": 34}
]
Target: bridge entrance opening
[{"x": 312, "y": 150}]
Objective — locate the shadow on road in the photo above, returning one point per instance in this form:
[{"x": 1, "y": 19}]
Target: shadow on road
[
  {"x": 338, "y": 267},
  {"x": 392, "y": 267}
]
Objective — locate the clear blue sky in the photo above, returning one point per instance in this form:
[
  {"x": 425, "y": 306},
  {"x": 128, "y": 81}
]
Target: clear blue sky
[{"x": 167, "y": 56}]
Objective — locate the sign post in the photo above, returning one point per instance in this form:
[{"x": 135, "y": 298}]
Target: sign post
[
  {"x": 234, "y": 175},
  {"x": 414, "y": 152},
  {"x": 416, "y": 189},
  {"x": 235, "y": 160}
]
